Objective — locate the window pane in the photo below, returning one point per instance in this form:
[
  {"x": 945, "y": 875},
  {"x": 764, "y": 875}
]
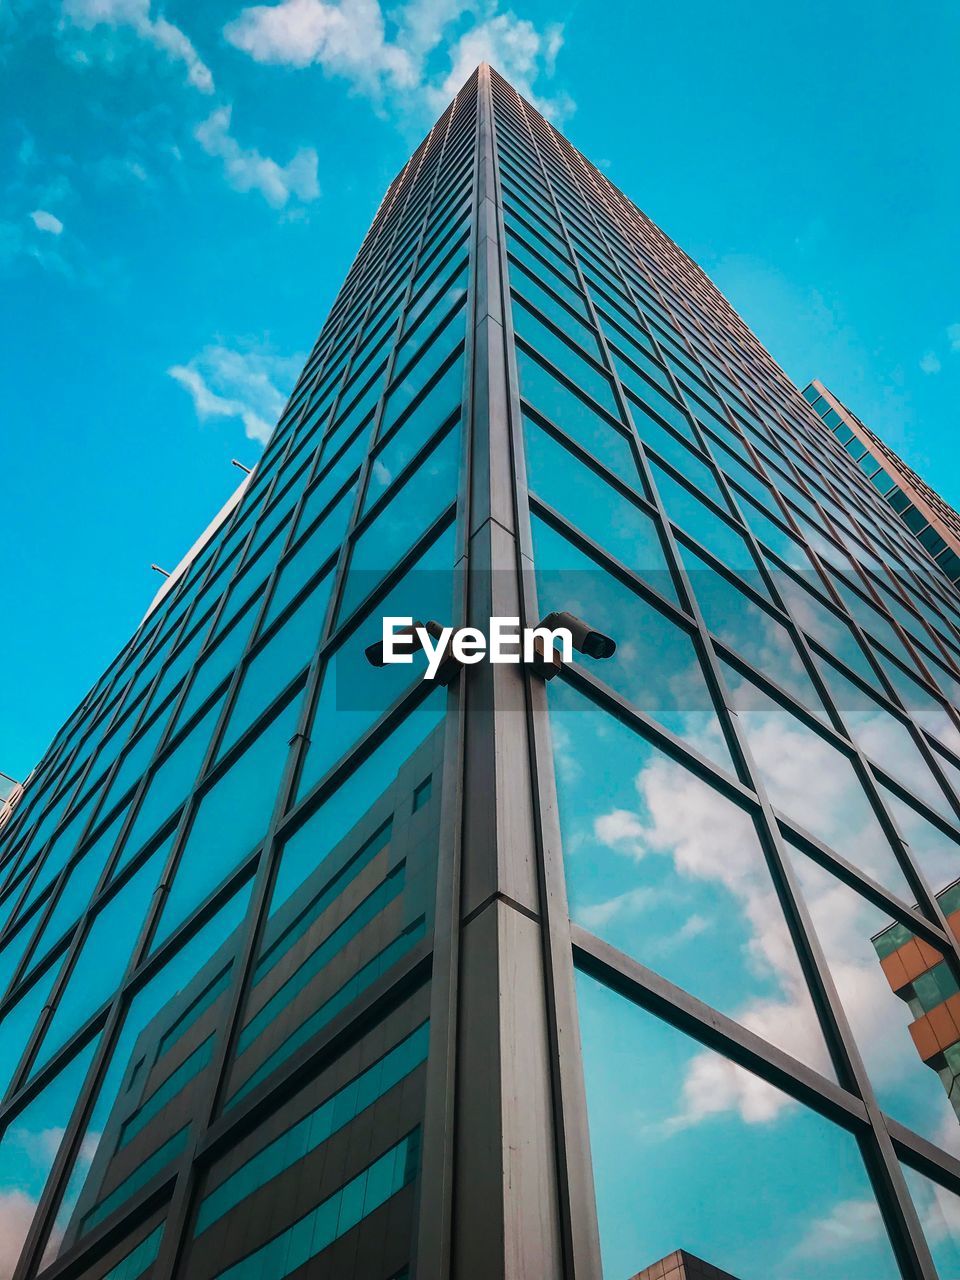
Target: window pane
[
  {"x": 430, "y": 413},
  {"x": 353, "y": 895},
  {"x": 575, "y": 416},
  {"x": 217, "y": 665},
  {"x": 152, "y": 1079},
  {"x": 318, "y": 1141},
  {"x": 825, "y": 626},
  {"x": 655, "y": 665},
  {"x": 81, "y": 882},
  {"x": 416, "y": 377},
  {"x": 750, "y": 629},
  {"x": 172, "y": 781},
  {"x": 284, "y": 656},
  {"x": 663, "y": 442},
  {"x": 230, "y": 820},
  {"x": 709, "y": 1158},
  {"x": 668, "y": 871},
  {"x": 599, "y": 511},
  {"x": 937, "y": 854},
  {"x": 18, "y": 1025},
  {"x": 924, "y": 708},
  {"x": 408, "y": 514},
  {"x": 899, "y": 997},
  {"x": 939, "y": 1211},
  {"x": 28, "y": 1150},
  {"x": 103, "y": 957},
  {"x": 311, "y": 555},
  {"x": 815, "y": 784},
  {"x": 883, "y": 738},
  {"x": 705, "y": 526},
  {"x": 352, "y": 693}
]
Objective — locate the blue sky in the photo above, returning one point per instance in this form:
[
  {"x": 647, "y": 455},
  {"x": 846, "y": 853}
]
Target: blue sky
[{"x": 183, "y": 188}]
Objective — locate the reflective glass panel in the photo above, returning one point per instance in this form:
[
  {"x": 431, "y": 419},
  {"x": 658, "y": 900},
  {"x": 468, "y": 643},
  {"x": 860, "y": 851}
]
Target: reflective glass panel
[
  {"x": 28, "y": 1150},
  {"x": 709, "y": 1158},
  {"x": 939, "y": 1211},
  {"x": 814, "y": 783},
  {"x": 586, "y": 500},
  {"x": 655, "y": 665},
  {"x": 153, "y": 1079},
  {"x": 353, "y": 895},
  {"x": 667, "y": 870},
  {"x": 900, "y": 998},
  {"x": 103, "y": 957},
  {"x": 231, "y": 819}
]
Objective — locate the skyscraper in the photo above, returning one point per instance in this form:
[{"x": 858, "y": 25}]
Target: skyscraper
[
  {"x": 311, "y": 968},
  {"x": 921, "y": 508}
]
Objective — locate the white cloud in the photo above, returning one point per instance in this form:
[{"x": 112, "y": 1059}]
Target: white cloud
[
  {"x": 135, "y": 15},
  {"x": 939, "y": 1208},
  {"x": 347, "y": 39},
  {"x": 930, "y": 362},
  {"x": 423, "y": 23},
  {"x": 710, "y": 839},
  {"x": 692, "y": 927},
  {"x": 45, "y": 221},
  {"x": 40, "y": 1146},
  {"x": 16, "y": 1214},
  {"x": 37, "y": 1150},
  {"x": 849, "y": 1225},
  {"x": 713, "y": 1085},
  {"x": 379, "y": 52},
  {"x": 630, "y": 904},
  {"x": 518, "y": 50},
  {"x": 236, "y": 384},
  {"x": 621, "y": 827},
  {"x": 248, "y": 170},
  {"x": 953, "y": 336}
]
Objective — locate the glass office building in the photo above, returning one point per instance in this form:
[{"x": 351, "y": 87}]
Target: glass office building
[{"x": 309, "y": 968}]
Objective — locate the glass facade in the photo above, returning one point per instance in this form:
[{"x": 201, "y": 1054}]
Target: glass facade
[{"x": 309, "y": 968}]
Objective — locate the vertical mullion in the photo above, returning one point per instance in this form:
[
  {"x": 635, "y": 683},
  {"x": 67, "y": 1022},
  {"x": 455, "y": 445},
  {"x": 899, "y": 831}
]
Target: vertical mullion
[
  {"x": 506, "y": 1212},
  {"x": 576, "y": 1194}
]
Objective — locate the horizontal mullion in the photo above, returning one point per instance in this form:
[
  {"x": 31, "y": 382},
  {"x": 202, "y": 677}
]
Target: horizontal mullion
[
  {"x": 647, "y": 989},
  {"x": 851, "y": 875},
  {"x": 610, "y": 564},
  {"x": 675, "y": 747}
]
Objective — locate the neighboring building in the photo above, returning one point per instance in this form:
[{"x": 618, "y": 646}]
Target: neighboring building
[
  {"x": 309, "y": 968},
  {"x": 920, "y": 976},
  {"x": 682, "y": 1266},
  {"x": 10, "y": 793},
  {"x": 922, "y": 510}
]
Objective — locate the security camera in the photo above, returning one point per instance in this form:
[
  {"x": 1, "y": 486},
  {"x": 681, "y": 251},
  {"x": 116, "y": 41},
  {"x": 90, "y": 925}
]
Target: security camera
[{"x": 586, "y": 639}]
